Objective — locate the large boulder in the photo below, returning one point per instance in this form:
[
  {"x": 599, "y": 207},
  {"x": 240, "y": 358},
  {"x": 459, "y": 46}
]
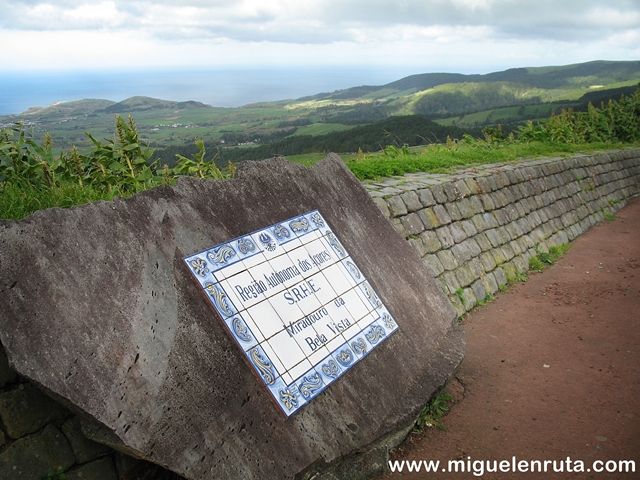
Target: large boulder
[{"x": 99, "y": 310}]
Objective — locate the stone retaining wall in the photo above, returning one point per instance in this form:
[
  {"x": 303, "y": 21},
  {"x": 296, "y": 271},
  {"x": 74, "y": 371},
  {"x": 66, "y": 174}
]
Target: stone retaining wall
[{"x": 477, "y": 229}]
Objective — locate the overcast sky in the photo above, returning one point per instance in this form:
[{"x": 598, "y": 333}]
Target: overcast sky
[{"x": 454, "y": 35}]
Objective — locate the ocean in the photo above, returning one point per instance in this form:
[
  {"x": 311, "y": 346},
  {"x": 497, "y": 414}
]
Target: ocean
[{"x": 219, "y": 87}]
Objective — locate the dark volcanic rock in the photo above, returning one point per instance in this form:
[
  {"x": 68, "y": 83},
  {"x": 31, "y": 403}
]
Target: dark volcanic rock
[{"x": 97, "y": 308}]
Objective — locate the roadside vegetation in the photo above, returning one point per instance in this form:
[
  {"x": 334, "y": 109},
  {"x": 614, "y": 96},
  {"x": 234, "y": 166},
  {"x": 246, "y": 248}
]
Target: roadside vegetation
[
  {"x": 612, "y": 125},
  {"x": 34, "y": 176},
  {"x": 545, "y": 259}
]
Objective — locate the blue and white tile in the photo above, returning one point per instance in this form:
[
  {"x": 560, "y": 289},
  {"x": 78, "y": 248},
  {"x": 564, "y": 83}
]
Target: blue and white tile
[
  {"x": 300, "y": 258},
  {"x": 263, "y": 364},
  {"x": 387, "y": 320},
  {"x": 266, "y": 318},
  {"x": 281, "y": 233},
  {"x": 288, "y": 350},
  {"x": 355, "y": 302},
  {"x": 374, "y": 334},
  {"x": 245, "y": 246},
  {"x": 317, "y": 220},
  {"x": 352, "y": 269},
  {"x": 300, "y": 369},
  {"x": 220, "y": 300},
  {"x": 345, "y": 356},
  {"x": 222, "y": 256},
  {"x": 336, "y": 244},
  {"x": 242, "y": 332},
  {"x": 287, "y": 396},
  {"x": 310, "y": 384},
  {"x": 338, "y": 278},
  {"x": 299, "y": 226},
  {"x": 243, "y": 290},
  {"x": 370, "y": 295},
  {"x": 198, "y": 265},
  {"x": 330, "y": 369},
  {"x": 267, "y": 243},
  {"x": 359, "y": 346}
]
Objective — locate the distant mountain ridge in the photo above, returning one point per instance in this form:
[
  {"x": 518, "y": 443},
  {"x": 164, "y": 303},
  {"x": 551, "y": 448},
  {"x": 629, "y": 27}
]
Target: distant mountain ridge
[
  {"x": 140, "y": 103},
  {"x": 467, "y": 102},
  {"x": 575, "y": 75}
]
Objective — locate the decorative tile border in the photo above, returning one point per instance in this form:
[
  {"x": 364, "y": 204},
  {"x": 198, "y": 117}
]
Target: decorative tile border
[{"x": 296, "y": 304}]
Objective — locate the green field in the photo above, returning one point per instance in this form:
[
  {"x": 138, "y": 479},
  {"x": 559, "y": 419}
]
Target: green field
[
  {"x": 466, "y": 101},
  {"x": 322, "y": 128},
  {"x": 33, "y": 176}
]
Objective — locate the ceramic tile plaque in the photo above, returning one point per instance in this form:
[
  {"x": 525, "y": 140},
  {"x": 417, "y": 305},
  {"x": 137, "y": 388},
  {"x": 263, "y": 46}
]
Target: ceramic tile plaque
[{"x": 296, "y": 303}]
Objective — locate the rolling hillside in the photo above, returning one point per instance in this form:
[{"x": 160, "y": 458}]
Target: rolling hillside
[{"x": 450, "y": 99}]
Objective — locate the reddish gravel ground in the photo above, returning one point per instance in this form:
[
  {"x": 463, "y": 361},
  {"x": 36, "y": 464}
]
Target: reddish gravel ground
[{"x": 552, "y": 367}]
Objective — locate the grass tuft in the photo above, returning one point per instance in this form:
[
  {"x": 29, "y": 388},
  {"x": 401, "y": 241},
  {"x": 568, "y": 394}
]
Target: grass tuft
[
  {"x": 432, "y": 414},
  {"x": 544, "y": 259}
]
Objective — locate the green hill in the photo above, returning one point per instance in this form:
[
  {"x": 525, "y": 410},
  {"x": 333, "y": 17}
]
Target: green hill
[
  {"x": 451, "y": 99},
  {"x": 76, "y": 107},
  {"x": 140, "y": 104},
  {"x": 580, "y": 75}
]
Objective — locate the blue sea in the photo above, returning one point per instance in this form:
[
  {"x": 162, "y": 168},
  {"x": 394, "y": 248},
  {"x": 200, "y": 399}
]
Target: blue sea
[{"x": 219, "y": 87}]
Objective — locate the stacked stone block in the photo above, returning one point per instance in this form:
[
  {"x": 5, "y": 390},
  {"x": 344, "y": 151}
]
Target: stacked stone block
[
  {"x": 41, "y": 439},
  {"x": 476, "y": 229}
]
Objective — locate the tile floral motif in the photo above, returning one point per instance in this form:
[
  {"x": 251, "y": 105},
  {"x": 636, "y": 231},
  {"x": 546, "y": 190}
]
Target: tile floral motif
[
  {"x": 289, "y": 398},
  {"x": 375, "y": 334},
  {"x": 297, "y": 305},
  {"x": 359, "y": 346},
  {"x": 299, "y": 225},
  {"x": 371, "y": 295},
  {"x": 246, "y": 245},
  {"x": 263, "y": 365},
  {"x": 353, "y": 270},
  {"x": 331, "y": 369},
  {"x": 220, "y": 299},
  {"x": 345, "y": 357},
  {"x": 333, "y": 241},
  {"x": 388, "y": 321},
  {"x": 267, "y": 242},
  {"x": 317, "y": 220},
  {"x": 281, "y": 232},
  {"x": 310, "y": 384},
  {"x": 241, "y": 330},
  {"x": 199, "y": 266},
  {"x": 221, "y": 255}
]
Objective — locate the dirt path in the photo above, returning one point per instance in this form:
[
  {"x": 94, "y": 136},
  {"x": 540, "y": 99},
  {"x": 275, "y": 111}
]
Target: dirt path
[{"x": 552, "y": 368}]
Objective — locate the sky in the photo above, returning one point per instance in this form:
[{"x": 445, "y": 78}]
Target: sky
[{"x": 431, "y": 35}]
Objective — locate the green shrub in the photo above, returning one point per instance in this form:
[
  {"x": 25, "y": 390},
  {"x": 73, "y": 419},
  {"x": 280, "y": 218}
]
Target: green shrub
[{"x": 33, "y": 177}]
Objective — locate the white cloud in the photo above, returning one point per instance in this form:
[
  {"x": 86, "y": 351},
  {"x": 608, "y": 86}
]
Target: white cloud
[{"x": 457, "y": 33}]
